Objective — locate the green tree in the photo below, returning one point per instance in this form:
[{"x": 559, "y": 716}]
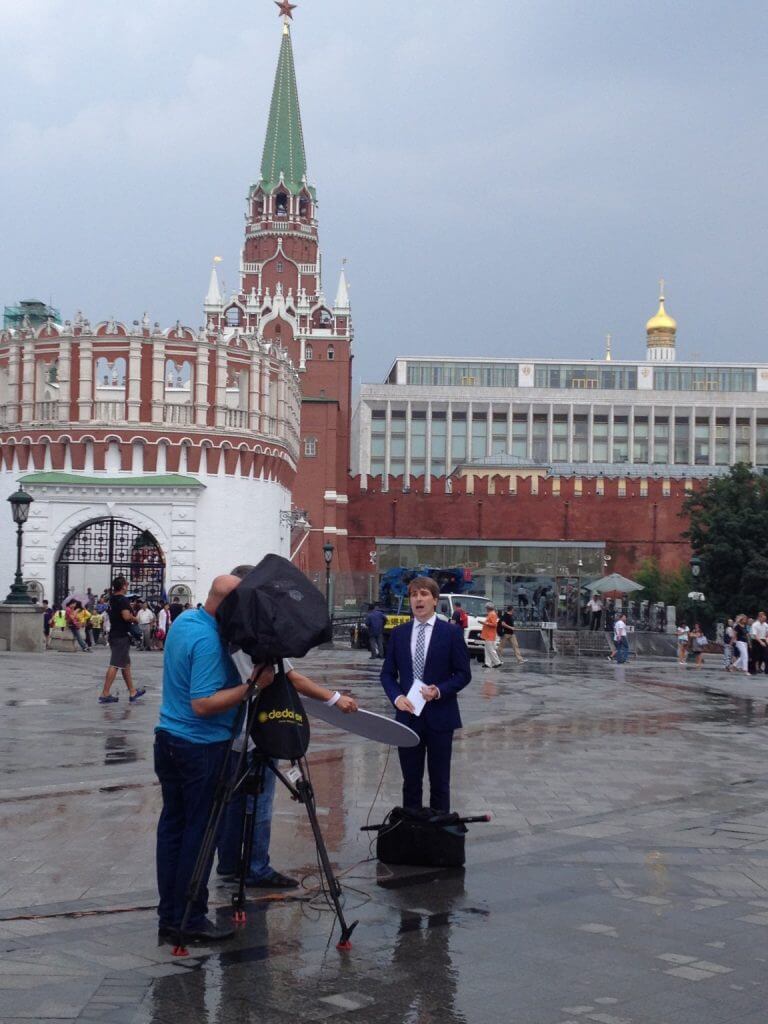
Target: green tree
[{"x": 728, "y": 532}]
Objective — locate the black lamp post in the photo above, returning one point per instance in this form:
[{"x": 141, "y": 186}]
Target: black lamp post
[
  {"x": 20, "y": 502},
  {"x": 328, "y": 556}
]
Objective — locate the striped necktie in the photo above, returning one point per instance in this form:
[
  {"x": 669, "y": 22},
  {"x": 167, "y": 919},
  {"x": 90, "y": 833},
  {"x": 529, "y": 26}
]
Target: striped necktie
[{"x": 418, "y": 657}]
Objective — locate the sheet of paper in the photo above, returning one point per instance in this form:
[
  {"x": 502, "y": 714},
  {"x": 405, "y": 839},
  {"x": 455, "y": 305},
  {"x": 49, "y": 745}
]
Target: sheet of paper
[{"x": 415, "y": 697}]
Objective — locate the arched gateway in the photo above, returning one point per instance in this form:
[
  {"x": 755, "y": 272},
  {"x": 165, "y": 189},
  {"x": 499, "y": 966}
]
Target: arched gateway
[{"x": 96, "y": 552}]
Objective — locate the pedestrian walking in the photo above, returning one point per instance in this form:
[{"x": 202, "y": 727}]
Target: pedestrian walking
[
  {"x": 145, "y": 618},
  {"x": 595, "y": 609},
  {"x": 728, "y": 651},
  {"x": 683, "y": 637},
  {"x": 73, "y": 624},
  {"x": 740, "y": 643},
  {"x": 698, "y": 642},
  {"x": 507, "y": 627},
  {"x": 47, "y": 616},
  {"x": 760, "y": 643},
  {"x": 163, "y": 622},
  {"x": 488, "y": 634},
  {"x": 374, "y": 623},
  {"x": 620, "y": 639},
  {"x": 121, "y": 619},
  {"x": 97, "y": 622}
]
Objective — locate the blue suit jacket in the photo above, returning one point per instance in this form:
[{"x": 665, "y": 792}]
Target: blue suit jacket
[{"x": 447, "y": 667}]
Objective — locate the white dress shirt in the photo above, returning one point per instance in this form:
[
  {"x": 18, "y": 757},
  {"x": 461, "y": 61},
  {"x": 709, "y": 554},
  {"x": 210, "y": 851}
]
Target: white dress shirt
[{"x": 429, "y": 624}]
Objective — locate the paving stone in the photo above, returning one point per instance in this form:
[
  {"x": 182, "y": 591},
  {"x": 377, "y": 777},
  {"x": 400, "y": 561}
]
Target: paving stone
[{"x": 629, "y": 841}]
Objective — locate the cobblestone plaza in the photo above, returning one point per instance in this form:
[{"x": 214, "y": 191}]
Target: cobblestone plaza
[{"x": 623, "y": 879}]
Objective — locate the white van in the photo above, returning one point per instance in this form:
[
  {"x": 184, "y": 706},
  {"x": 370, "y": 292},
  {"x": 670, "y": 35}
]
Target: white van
[{"x": 474, "y": 606}]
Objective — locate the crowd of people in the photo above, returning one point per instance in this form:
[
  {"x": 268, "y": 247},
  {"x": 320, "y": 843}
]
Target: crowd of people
[
  {"x": 745, "y": 644},
  {"x": 87, "y": 618}
]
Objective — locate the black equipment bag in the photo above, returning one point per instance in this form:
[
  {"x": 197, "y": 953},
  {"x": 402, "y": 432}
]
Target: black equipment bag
[
  {"x": 281, "y": 725},
  {"x": 276, "y": 612},
  {"x": 423, "y": 838}
]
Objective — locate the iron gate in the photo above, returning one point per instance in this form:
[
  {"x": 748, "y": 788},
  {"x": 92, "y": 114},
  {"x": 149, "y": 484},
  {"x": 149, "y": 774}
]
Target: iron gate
[{"x": 127, "y": 550}]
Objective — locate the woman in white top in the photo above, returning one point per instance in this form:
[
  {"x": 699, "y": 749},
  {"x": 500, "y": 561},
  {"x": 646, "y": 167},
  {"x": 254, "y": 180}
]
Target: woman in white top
[
  {"x": 683, "y": 636},
  {"x": 161, "y": 632}
]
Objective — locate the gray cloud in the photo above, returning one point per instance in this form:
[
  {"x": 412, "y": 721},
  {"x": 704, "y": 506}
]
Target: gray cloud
[{"x": 505, "y": 178}]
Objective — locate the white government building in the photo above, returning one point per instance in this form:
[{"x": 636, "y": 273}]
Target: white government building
[{"x": 656, "y": 417}]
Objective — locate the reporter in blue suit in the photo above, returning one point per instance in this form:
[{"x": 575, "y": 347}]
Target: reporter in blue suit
[{"x": 434, "y": 651}]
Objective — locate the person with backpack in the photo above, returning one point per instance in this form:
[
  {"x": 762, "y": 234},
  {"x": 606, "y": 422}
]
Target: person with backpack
[{"x": 460, "y": 617}]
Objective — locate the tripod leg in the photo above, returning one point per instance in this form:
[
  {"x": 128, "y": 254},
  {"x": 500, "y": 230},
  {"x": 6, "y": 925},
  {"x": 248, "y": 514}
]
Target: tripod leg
[
  {"x": 254, "y": 784},
  {"x": 307, "y": 797}
]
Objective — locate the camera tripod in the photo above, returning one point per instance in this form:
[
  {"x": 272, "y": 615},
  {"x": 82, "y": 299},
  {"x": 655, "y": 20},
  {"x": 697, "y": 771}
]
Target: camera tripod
[{"x": 248, "y": 778}]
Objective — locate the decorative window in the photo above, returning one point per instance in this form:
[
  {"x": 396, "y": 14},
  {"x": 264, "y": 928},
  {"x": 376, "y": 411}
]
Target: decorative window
[
  {"x": 308, "y": 353},
  {"x": 310, "y": 447},
  {"x": 281, "y": 204},
  {"x": 330, "y": 352},
  {"x": 303, "y": 207},
  {"x": 279, "y": 266},
  {"x": 233, "y": 317}
]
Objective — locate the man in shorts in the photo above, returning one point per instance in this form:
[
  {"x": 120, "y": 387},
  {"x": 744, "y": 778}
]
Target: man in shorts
[{"x": 120, "y": 618}]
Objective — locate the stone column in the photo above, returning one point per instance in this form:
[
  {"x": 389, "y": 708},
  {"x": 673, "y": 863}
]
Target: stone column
[
  {"x": 201, "y": 385},
  {"x": 253, "y": 392},
  {"x": 14, "y": 360},
  {"x": 134, "y": 381},
  {"x": 220, "y": 417},
  {"x": 158, "y": 381},
  {"x": 63, "y": 379},
  {"x": 28, "y": 382},
  {"x": 85, "y": 382}
]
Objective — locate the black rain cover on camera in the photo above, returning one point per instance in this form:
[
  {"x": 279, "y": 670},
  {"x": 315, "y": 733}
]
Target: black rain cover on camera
[
  {"x": 276, "y": 612},
  {"x": 281, "y": 726}
]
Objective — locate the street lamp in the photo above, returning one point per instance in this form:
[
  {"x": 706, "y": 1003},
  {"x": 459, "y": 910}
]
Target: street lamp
[
  {"x": 328, "y": 556},
  {"x": 20, "y": 502}
]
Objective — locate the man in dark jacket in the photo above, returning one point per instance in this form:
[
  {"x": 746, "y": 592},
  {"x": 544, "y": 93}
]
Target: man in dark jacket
[
  {"x": 426, "y": 665},
  {"x": 374, "y": 623}
]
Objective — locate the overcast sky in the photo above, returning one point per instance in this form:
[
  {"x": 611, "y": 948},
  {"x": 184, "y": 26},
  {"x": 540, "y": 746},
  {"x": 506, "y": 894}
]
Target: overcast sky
[{"x": 506, "y": 178}]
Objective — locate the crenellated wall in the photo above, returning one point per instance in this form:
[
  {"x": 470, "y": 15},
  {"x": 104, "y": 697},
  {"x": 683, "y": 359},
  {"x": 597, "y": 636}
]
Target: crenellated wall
[{"x": 635, "y": 518}]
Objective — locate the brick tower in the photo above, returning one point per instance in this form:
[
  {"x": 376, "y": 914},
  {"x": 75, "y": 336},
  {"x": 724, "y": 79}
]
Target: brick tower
[{"x": 281, "y": 301}]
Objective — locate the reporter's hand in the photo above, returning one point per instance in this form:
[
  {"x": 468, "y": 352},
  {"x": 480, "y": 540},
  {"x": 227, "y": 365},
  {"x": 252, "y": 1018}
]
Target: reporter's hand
[
  {"x": 430, "y": 693},
  {"x": 346, "y": 704},
  {"x": 265, "y": 673},
  {"x": 403, "y": 704}
]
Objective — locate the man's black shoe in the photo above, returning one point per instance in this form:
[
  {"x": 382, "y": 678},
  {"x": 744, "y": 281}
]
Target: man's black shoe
[
  {"x": 206, "y": 931},
  {"x": 273, "y": 881}
]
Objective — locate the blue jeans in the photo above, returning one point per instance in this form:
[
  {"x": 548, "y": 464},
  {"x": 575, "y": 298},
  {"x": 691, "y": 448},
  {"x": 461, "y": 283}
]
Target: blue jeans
[
  {"x": 622, "y": 650},
  {"x": 188, "y": 773},
  {"x": 231, "y": 832}
]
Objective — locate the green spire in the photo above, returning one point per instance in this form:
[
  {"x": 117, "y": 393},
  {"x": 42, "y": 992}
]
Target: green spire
[{"x": 284, "y": 144}]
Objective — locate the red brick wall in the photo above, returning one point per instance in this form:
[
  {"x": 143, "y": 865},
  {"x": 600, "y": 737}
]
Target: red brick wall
[{"x": 632, "y": 527}]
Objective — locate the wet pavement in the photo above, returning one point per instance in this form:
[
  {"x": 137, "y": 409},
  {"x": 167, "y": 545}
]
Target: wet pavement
[{"x": 622, "y": 880}]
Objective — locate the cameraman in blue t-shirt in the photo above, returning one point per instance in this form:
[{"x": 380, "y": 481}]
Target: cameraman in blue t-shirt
[{"x": 201, "y": 692}]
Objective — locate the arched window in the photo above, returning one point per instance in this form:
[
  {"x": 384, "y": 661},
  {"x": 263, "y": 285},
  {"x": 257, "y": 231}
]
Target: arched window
[
  {"x": 330, "y": 352},
  {"x": 310, "y": 447},
  {"x": 233, "y": 316},
  {"x": 279, "y": 266},
  {"x": 281, "y": 204},
  {"x": 308, "y": 353},
  {"x": 303, "y": 207}
]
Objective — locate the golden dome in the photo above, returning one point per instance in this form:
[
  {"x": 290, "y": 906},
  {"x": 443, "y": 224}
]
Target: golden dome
[{"x": 662, "y": 321}]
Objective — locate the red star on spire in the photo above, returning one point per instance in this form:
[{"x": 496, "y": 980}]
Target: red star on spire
[{"x": 285, "y": 8}]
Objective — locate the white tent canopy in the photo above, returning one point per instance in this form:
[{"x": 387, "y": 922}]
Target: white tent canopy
[{"x": 615, "y": 582}]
